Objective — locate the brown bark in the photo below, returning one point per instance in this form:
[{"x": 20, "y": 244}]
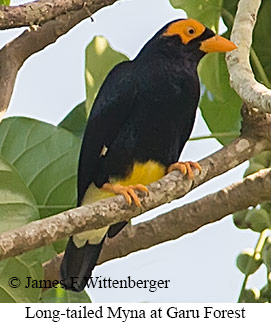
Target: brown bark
[{"x": 39, "y": 12}]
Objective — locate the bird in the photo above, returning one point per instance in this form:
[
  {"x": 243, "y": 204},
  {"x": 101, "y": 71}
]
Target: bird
[{"x": 139, "y": 123}]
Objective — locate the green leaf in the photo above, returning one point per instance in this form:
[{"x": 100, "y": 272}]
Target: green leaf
[
  {"x": 49, "y": 252},
  {"x": 4, "y": 2},
  {"x": 17, "y": 207},
  {"x": 220, "y": 105},
  {"x": 76, "y": 120},
  {"x": 60, "y": 295},
  {"x": 258, "y": 220},
  {"x": 266, "y": 253},
  {"x": 16, "y": 270},
  {"x": 46, "y": 158},
  {"x": 266, "y": 293},
  {"x": 262, "y": 41},
  {"x": 60, "y": 245},
  {"x": 250, "y": 296},
  {"x": 38, "y": 167},
  {"x": 228, "y": 12},
  {"x": 38, "y": 154},
  {"x": 247, "y": 263},
  {"x": 239, "y": 219},
  {"x": 205, "y": 11},
  {"x": 100, "y": 59},
  {"x": 17, "y": 204}
]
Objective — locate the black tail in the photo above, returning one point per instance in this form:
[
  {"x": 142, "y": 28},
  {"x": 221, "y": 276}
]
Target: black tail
[
  {"x": 114, "y": 229},
  {"x": 77, "y": 265}
]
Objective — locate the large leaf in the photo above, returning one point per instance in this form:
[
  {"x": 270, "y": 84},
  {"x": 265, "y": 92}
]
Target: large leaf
[
  {"x": 17, "y": 204},
  {"x": 100, "y": 59},
  {"x": 205, "y": 11},
  {"x": 262, "y": 40},
  {"x": 15, "y": 271},
  {"x": 37, "y": 178},
  {"x": 46, "y": 158},
  {"x": 17, "y": 207},
  {"x": 228, "y": 12},
  {"x": 220, "y": 105},
  {"x": 76, "y": 120},
  {"x": 60, "y": 295}
]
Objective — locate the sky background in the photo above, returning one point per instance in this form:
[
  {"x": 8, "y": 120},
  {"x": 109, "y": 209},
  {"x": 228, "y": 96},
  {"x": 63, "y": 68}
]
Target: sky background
[{"x": 200, "y": 266}]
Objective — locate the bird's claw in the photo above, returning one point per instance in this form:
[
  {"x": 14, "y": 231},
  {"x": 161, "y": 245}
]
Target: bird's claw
[
  {"x": 127, "y": 191},
  {"x": 185, "y": 168}
]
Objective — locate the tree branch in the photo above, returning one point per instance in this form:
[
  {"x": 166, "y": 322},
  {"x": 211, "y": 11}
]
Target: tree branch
[
  {"x": 190, "y": 217},
  {"x": 242, "y": 78},
  {"x": 41, "y": 11},
  {"x": 113, "y": 210},
  {"x": 180, "y": 221},
  {"x": 14, "y": 54}
]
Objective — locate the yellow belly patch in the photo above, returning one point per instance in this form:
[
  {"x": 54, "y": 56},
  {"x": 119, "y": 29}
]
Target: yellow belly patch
[{"x": 142, "y": 173}]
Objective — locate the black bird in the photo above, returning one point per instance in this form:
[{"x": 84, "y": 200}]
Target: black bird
[{"x": 140, "y": 121}]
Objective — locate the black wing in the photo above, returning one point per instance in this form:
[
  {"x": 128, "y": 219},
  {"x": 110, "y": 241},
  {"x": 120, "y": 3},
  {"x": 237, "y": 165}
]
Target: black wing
[{"x": 110, "y": 110}]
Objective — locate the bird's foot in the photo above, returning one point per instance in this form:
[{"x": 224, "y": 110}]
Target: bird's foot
[
  {"x": 127, "y": 191},
  {"x": 185, "y": 168}
]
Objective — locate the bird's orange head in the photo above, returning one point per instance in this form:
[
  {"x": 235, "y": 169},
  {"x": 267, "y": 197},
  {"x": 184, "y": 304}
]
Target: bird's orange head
[{"x": 190, "y": 30}]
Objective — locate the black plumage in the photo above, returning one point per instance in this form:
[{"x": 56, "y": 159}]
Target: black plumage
[{"x": 156, "y": 93}]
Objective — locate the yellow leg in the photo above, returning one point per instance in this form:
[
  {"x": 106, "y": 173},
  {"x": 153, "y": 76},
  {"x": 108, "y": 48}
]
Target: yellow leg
[
  {"x": 185, "y": 168},
  {"x": 127, "y": 191}
]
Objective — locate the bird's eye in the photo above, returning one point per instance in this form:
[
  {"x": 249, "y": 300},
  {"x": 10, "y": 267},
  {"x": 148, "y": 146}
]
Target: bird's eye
[{"x": 191, "y": 31}]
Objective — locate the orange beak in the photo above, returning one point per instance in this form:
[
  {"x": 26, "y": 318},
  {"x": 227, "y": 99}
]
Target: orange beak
[{"x": 217, "y": 44}]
